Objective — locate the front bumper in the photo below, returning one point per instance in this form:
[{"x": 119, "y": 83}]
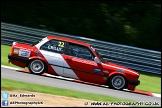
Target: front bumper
[
  {"x": 132, "y": 84},
  {"x": 135, "y": 83}
]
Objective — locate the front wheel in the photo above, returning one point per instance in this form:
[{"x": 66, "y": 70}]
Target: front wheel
[
  {"x": 117, "y": 82},
  {"x": 36, "y": 67}
]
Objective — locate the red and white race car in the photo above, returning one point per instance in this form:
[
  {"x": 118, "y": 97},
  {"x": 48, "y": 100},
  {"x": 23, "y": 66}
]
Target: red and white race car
[{"x": 71, "y": 58}]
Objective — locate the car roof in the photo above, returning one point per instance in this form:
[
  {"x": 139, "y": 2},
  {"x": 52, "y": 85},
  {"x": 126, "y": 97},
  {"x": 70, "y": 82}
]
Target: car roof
[{"x": 68, "y": 40}]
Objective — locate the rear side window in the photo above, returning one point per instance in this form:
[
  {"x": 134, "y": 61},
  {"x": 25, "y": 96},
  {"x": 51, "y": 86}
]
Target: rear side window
[
  {"x": 80, "y": 51},
  {"x": 54, "y": 46}
]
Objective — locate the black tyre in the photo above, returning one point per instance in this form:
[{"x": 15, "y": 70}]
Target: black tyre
[
  {"x": 36, "y": 67},
  {"x": 117, "y": 82}
]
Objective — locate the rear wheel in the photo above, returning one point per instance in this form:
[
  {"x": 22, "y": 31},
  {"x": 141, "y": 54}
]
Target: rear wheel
[
  {"x": 117, "y": 82},
  {"x": 36, "y": 67}
]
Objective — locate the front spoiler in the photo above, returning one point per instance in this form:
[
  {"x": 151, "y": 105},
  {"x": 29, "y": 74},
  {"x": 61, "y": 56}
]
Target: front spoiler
[{"x": 135, "y": 83}]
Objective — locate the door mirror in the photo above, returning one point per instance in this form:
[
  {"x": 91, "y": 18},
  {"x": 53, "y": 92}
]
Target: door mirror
[{"x": 97, "y": 60}]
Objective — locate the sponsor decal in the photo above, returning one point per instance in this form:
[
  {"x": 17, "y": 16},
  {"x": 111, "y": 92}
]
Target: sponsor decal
[
  {"x": 55, "y": 48},
  {"x": 105, "y": 72},
  {"x": 104, "y": 78},
  {"x": 37, "y": 53},
  {"x": 24, "y": 53},
  {"x": 84, "y": 61},
  {"x": 119, "y": 70},
  {"x": 96, "y": 70}
]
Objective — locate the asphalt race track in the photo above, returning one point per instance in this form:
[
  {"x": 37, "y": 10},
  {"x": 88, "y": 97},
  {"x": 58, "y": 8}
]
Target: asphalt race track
[{"x": 54, "y": 82}]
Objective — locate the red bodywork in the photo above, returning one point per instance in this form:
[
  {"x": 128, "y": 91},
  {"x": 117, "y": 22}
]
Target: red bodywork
[{"x": 78, "y": 68}]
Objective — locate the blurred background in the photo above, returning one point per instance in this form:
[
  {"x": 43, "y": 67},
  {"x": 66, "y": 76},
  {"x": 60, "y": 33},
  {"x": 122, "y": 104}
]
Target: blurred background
[{"x": 135, "y": 23}]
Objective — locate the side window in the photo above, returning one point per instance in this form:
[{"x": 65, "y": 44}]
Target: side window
[
  {"x": 54, "y": 46},
  {"x": 80, "y": 51}
]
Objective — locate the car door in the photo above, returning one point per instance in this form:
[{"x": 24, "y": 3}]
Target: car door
[
  {"x": 52, "y": 51},
  {"x": 80, "y": 59}
]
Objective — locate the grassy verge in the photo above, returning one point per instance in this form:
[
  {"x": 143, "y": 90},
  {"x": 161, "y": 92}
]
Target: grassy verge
[
  {"x": 149, "y": 82},
  {"x": 7, "y": 84},
  {"x": 5, "y": 50}
]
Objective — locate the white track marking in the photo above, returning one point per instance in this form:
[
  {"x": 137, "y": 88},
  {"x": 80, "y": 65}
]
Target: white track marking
[
  {"x": 8, "y": 67},
  {"x": 156, "y": 95},
  {"x": 60, "y": 77}
]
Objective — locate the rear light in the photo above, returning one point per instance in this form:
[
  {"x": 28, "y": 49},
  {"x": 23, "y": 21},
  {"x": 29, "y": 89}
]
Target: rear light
[{"x": 16, "y": 51}]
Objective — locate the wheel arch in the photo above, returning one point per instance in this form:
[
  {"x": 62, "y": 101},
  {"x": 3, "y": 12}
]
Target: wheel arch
[
  {"x": 36, "y": 58},
  {"x": 117, "y": 73}
]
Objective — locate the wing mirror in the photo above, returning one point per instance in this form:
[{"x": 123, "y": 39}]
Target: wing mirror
[{"x": 97, "y": 60}]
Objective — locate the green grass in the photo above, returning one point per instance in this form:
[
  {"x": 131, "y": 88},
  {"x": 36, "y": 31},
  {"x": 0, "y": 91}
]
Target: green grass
[
  {"x": 149, "y": 82},
  {"x": 7, "y": 84},
  {"x": 5, "y": 50}
]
